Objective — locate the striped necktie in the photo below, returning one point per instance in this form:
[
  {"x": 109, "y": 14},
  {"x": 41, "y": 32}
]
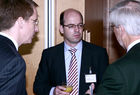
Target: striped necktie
[{"x": 73, "y": 73}]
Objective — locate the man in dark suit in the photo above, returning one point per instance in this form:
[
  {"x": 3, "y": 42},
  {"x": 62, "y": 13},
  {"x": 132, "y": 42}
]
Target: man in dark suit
[
  {"x": 54, "y": 65},
  {"x": 17, "y": 27},
  {"x": 123, "y": 76}
]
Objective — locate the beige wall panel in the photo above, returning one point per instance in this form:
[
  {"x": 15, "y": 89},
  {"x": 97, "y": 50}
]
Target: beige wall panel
[
  {"x": 61, "y": 5},
  {"x": 32, "y": 52}
]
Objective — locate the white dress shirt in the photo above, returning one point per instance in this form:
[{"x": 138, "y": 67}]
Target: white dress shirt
[
  {"x": 132, "y": 44},
  {"x": 68, "y": 58}
]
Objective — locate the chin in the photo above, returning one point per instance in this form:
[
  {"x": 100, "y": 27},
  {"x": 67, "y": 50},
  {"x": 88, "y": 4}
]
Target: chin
[
  {"x": 28, "y": 42},
  {"x": 122, "y": 45}
]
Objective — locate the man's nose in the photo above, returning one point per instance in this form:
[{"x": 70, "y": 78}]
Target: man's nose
[
  {"x": 36, "y": 29},
  {"x": 77, "y": 28}
]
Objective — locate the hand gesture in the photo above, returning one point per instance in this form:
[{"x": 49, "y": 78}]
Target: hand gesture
[
  {"x": 88, "y": 91},
  {"x": 59, "y": 90}
]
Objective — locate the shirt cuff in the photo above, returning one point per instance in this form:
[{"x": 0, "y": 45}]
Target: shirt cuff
[{"x": 52, "y": 90}]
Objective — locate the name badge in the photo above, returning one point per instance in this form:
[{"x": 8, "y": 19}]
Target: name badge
[{"x": 90, "y": 78}]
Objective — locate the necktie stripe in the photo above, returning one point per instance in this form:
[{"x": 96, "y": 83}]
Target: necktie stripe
[
  {"x": 73, "y": 73},
  {"x": 73, "y": 79},
  {"x": 74, "y": 61},
  {"x": 72, "y": 76},
  {"x": 73, "y": 68}
]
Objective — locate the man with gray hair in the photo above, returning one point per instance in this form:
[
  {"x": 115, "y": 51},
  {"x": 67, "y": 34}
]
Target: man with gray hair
[{"x": 123, "y": 76}]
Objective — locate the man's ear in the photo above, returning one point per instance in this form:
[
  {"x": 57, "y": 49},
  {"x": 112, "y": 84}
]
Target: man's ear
[
  {"x": 61, "y": 29},
  {"x": 123, "y": 32},
  {"x": 20, "y": 21}
]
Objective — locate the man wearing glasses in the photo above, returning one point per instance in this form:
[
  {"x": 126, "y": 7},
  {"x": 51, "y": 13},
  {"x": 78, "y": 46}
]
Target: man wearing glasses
[
  {"x": 56, "y": 66},
  {"x": 18, "y": 24}
]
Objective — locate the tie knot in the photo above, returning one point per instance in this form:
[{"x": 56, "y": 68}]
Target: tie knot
[{"x": 73, "y": 50}]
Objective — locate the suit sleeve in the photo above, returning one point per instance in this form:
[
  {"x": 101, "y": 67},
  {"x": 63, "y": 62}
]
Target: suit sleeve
[
  {"x": 41, "y": 84},
  {"x": 112, "y": 83}
]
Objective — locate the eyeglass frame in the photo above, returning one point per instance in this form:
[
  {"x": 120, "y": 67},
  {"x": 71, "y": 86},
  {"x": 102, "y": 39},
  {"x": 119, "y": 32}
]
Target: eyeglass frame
[
  {"x": 73, "y": 26},
  {"x": 36, "y": 21}
]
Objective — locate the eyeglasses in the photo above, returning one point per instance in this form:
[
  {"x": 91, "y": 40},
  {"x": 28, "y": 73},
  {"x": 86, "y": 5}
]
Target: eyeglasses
[
  {"x": 36, "y": 21},
  {"x": 112, "y": 26},
  {"x": 73, "y": 26}
]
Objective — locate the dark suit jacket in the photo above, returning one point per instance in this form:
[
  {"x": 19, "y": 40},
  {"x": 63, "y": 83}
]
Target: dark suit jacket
[
  {"x": 12, "y": 69},
  {"x": 51, "y": 70},
  {"x": 123, "y": 76}
]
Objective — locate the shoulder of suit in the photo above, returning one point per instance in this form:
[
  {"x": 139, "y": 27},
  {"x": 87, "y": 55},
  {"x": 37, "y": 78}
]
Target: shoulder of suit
[
  {"x": 55, "y": 48},
  {"x": 92, "y": 46}
]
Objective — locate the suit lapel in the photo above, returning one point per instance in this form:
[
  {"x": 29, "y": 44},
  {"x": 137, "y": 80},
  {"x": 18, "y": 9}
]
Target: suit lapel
[
  {"x": 85, "y": 64},
  {"x": 61, "y": 61}
]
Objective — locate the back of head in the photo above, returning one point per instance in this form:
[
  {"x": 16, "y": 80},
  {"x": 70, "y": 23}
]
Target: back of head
[
  {"x": 11, "y": 10},
  {"x": 127, "y": 14}
]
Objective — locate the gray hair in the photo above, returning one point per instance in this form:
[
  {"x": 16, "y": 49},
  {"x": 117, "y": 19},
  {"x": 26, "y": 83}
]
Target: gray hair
[{"x": 127, "y": 14}]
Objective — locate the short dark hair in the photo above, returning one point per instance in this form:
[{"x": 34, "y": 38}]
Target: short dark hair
[
  {"x": 11, "y": 10},
  {"x": 62, "y": 18},
  {"x": 63, "y": 13}
]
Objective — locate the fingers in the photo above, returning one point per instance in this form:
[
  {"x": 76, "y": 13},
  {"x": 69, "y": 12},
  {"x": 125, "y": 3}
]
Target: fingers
[
  {"x": 93, "y": 86},
  {"x": 89, "y": 90},
  {"x": 59, "y": 90}
]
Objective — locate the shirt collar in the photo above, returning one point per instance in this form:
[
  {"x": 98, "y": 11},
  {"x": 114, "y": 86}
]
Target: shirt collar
[
  {"x": 13, "y": 40},
  {"x": 78, "y": 46},
  {"x": 132, "y": 44}
]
